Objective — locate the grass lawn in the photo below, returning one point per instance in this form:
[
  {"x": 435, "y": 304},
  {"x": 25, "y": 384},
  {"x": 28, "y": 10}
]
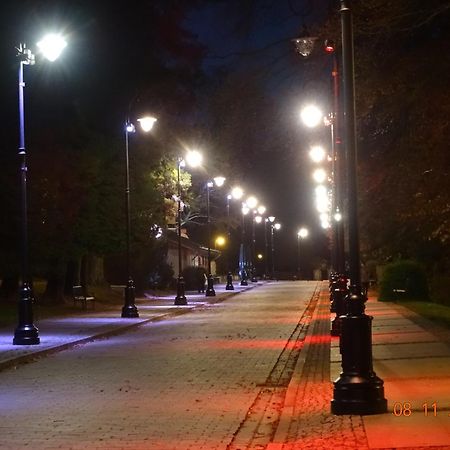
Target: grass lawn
[{"x": 433, "y": 311}]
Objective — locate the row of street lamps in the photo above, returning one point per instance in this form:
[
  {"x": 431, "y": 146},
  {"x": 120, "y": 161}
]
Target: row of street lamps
[{"x": 357, "y": 390}]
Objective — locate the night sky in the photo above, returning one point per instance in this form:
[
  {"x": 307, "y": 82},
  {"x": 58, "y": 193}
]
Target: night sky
[{"x": 115, "y": 53}]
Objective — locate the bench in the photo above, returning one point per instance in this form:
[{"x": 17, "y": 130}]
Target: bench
[{"x": 80, "y": 296}]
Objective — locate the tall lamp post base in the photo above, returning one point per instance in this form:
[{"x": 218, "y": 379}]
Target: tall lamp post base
[
  {"x": 229, "y": 286},
  {"x": 129, "y": 309},
  {"x": 180, "y": 299},
  {"x": 358, "y": 390},
  {"x": 210, "y": 292},
  {"x": 26, "y": 333}
]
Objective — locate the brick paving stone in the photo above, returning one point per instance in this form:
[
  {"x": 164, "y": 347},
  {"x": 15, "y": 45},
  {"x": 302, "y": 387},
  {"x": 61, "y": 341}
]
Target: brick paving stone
[{"x": 182, "y": 383}]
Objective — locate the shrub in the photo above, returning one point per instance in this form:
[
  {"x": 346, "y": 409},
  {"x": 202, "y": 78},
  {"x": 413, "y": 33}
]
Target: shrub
[
  {"x": 403, "y": 275},
  {"x": 439, "y": 289}
]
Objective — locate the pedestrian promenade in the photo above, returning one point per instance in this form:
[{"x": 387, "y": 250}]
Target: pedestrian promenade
[
  {"x": 411, "y": 355},
  {"x": 59, "y": 333}
]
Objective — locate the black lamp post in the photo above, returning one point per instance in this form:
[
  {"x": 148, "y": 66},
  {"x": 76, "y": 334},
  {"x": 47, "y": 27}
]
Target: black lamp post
[
  {"x": 180, "y": 299},
  {"x": 266, "y": 249},
  {"x": 26, "y": 333},
  {"x": 244, "y": 282},
  {"x": 272, "y": 250},
  {"x": 229, "y": 286},
  {"x": 253, "y": 247},
  {"x": 218, "y": 181},
  {"x": 301, "y": 234},
  {"x": 129, "y": 309},
  {"x": 210, "y": 292},
  {"x": 357, "y": 390}
]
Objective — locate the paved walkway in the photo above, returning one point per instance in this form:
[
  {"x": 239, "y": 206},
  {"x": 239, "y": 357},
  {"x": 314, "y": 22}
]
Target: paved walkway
[
  {"x": 411, "y": 355},
  {"x": 63, "y": 332}
]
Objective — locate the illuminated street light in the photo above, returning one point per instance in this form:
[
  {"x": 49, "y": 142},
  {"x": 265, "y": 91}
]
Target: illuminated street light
[
  {"x": 26, "y": 333},
  {"x": 243, "y": 253},
  {"x": 220, "y": 241},
  {"x": 302, "y": 233},
  {"x": 237, "y": 193},
  {"x": 147, "y": 123},
  {"x": 218, "y": 181},
  {"x": 319, "y": 175},
  {"x": 129, "y": 309},
  {"x": 317, "y": 153},
  {"x": 358, "y": 390},
  {"x": 193, "y": 158},
  {"x": 251, "y": 202},
  {"x": 311, "y": 116}
]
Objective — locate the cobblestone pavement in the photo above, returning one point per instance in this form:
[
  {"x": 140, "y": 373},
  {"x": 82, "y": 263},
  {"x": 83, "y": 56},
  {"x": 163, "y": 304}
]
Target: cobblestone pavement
[
  {"x": 187, "y": 382},
  {"x": 308, "y": 423}
]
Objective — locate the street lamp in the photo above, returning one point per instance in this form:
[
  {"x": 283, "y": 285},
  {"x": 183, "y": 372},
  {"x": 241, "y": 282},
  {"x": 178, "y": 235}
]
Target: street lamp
[
  {"x": 129, "y": 309},
  {"x": 194, "y": 159},
  {"x": 358, "y": 390},
  {"x": 243, "y": 253},
  {"x": 301, "y": 234},
  {"x": 218, "y": 181},
  {"x": 26, "y": 333},
  {"x": 236, "y": 193}
]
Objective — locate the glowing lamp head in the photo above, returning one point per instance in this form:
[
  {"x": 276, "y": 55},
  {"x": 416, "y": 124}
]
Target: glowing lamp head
[
  {"x": 129, "y": 127},
  {"x": 271, "y": 219},
  {"x": 252, "y": 202},
  {"x": 261, "y": 209},
  {"x": 147, "y": 123},
  {"x": 245, "y": 209},
  {"x": 237, "y": 193},
  {"x": 194, "y": 158},
  {"x": 319, "y": 175},
  {"x": 51, "y": 46},
  {"x": 220, "y": 241},
  {"x": 302, "y": 233},
  {"x": 317, "y": 153},
  {"x": 219, "y": 181},
  {"x": 258, "y": 219},
  {"x": 311, "y": 116},
  {"x": 277, "y": 226}
]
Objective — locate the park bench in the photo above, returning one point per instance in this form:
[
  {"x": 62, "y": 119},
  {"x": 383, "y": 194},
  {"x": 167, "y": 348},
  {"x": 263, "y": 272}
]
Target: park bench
[{"x": 79, "y": 295}]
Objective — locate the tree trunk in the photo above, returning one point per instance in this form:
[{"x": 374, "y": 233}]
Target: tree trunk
[{"x": 54, "y": 291}]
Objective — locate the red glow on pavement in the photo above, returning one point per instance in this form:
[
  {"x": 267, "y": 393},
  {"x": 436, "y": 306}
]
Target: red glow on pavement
[
  {"x": 251, "y": 344},
  {"x": 318, "y": 339}
]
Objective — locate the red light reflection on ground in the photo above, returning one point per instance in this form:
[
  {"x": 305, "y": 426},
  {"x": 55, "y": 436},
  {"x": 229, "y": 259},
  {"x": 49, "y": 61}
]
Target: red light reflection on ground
[{"x": 250, "y": 344}]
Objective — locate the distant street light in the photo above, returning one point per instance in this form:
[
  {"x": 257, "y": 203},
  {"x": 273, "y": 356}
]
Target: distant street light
[
  {"x": 26, "y": 333},
  {"x": 273, "y": 226},
  {"x": 301, "y": 234},
  {"x": 319, "y": 175},
  {"x": 129, "y": 309},
  {"x": 317, "y": 153},
  {"x": 193, "y": 158},
  {"x": 218, "y": 181},
  {"x": 311, "y": 116},
  {"x": 236, "y": 194},
  {"x": 243, "y": 252}
]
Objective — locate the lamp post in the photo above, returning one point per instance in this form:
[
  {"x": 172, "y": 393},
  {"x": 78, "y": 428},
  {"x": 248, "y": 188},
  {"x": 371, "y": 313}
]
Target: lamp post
[
  {"x": 218, "y": 181},
  {"x": 194, "y": 159},
  {"x": 26, "y": 333},
  {"x": 236, "y": 193},
  {"x": 252, "y": 202},
  {"x": 358, "y": 390},
  {"x": 129, "y": 309},
  {"x": 271, "y": 220},
  {"x": 301, "y": 234},
  {"x": 243, "y": 253}
]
